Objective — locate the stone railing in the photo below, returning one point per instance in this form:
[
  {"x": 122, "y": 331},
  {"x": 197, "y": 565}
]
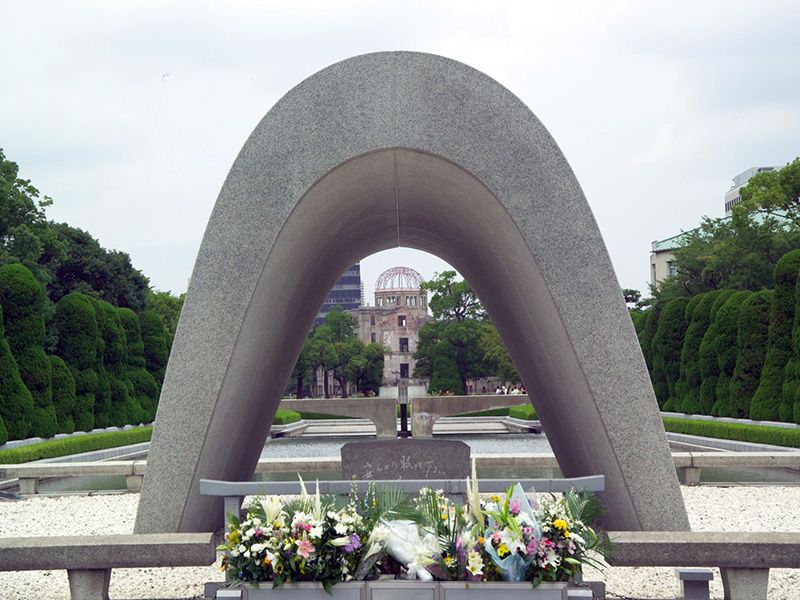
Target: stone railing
[
  {"x": 381, "y": 411},
  {"x": 744, "y": 559},
  {"x": 88, "y": 560},
  {"x": 426, "y": 410}
]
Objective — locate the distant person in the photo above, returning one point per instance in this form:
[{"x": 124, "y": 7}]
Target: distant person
[{"x": 499, "y": 390}]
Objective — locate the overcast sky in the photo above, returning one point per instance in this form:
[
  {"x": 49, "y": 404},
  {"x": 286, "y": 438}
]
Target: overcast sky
[{"x": 129, "y": 114}]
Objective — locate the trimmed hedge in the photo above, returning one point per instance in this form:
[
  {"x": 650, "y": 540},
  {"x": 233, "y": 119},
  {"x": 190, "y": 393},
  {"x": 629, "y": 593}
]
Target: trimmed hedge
[
  {"x": 688, "y": 386},
  {"x": 284, "y": 416},
  {"x": 667, "y": 346},
  {"x": 726, "y": 350},
  {"x": 648, "y": 332},
  {"x": 709, "y": 366},
  {"x": 525, "y": 412},
  {"x": 23, "y": 300},
  {"x": 767, "y": 403},
  {"x": 742, "y": 432},
  {"x": 64, "y": 398},
  {"x": 156, "y": 346},
  {"x": 78, "y": 341},
  {"x": 16, "y": 402},
  {"x": 751, "y": 346},
  {"x": 75, "y": 445}
]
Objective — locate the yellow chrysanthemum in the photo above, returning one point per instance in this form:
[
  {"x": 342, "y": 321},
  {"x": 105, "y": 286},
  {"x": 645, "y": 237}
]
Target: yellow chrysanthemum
[
  {"x": 562, "y": 525},
  {"x": 502, "y": 550}
]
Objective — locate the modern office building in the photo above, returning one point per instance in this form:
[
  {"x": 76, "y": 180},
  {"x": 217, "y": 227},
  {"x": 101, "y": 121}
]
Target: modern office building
[
  {"x": 732, "y": 196},
  {"x": 346, "y": 292}
]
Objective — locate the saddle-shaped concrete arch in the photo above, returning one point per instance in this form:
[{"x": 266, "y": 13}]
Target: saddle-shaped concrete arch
[{"x": 404, "y": 149}]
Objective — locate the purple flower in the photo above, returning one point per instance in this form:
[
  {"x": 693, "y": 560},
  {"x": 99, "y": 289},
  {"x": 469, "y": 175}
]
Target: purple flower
[
  {"x": 259, "y": 532},
  {"x": 514, "y": 506},
  {"x": 355, "y": 543}
]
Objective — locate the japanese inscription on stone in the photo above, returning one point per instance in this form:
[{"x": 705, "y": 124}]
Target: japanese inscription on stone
[{"x": 406, "y": 459}]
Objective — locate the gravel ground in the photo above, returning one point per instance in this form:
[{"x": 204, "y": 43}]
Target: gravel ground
[{"x": 710, "y": 508}]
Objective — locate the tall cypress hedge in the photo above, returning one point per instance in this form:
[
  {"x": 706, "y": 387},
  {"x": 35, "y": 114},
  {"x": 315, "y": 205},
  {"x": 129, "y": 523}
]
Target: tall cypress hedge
[
  {"x": 123, "y": 408},
  {"x": 751, "y": 344},
  {"x": 709, "y": 366},
  {"x": 64, "y": 398},
  {"x": 688, "y": 388},
  {"x": 23, "y": 300},
  {"x": 16, "y": 402},
  {"x": 767, "y": 403},
  {"x": 725, "y": 346},
  {"x": 156, "y": 346},
  {"x": 648, "y": 332},
  {"x": 790, "y": 392},
  {"x": 667, "y": 346},
  {"x": 78, "y": 345},
  {"x": 3, "y": 432},
  {"x": 144, "y": 387}
]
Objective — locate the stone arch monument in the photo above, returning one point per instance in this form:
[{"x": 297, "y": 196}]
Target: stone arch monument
[{"x": 404, "y": 149}]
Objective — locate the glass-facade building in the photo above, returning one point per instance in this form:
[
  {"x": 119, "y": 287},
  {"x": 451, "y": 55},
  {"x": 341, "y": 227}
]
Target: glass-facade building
[{"x": 346, "y": 293}]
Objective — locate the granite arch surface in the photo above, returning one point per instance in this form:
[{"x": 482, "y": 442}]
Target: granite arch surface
[{"x": 404, "y": 149}]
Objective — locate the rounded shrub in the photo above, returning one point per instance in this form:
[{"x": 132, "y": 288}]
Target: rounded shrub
[
  {"x": 16, "y": 402},
  {"x": 64, "y": 398},
  {"x": 709, "y": 366},
  {"x": 725, "y": 347},
  {"x": 667, "y": 346},
  {"x": 79, "y": 346},
  {"x": 751, "y": 346},
  {"x": 145, "y": 390},
  {"x": 23, "y": 300},
  {"x": 767, "y": 403}
]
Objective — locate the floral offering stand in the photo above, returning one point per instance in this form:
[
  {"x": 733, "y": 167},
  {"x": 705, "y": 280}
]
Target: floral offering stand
[
  {"x": 385, "y": 545},
  {"x": 400, "y": 590}
]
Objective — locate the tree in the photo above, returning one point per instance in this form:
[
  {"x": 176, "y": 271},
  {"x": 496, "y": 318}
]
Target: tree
[
  {"x": 91, "y": 269},
  {"x": 16, "y": 402},
  {"x": 767, "y": 403},
  {"x": 776, "y": 193},
  {"x": 303, "y": 368},
  {"x": 452, "y": 300},
  {"x": 167, "y": 307},
  {"x": 648, "y": 332},
  {"x": 23, "y": 300},
  {"x": 495, "y": 355},
  {"x": 751, "y": 346},
  {"x": 20, "y": 202},
  {"x": 445, "y": 377},
  {"x": 366, "y": 369}
]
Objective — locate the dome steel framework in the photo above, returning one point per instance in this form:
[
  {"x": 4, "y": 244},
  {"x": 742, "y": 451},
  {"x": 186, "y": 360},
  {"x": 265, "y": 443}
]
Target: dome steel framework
[{"x": 398, "y": 278}]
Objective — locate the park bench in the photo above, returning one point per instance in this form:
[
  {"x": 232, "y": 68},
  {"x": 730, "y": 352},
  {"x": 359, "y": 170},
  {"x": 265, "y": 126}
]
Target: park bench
[
  {"x": 744, "y": 559},
  {"x": 88, "y": 560}
]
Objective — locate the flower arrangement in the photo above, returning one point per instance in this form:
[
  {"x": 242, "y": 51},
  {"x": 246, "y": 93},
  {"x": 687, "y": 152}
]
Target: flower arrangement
[{"x": 384, "y": 532}]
